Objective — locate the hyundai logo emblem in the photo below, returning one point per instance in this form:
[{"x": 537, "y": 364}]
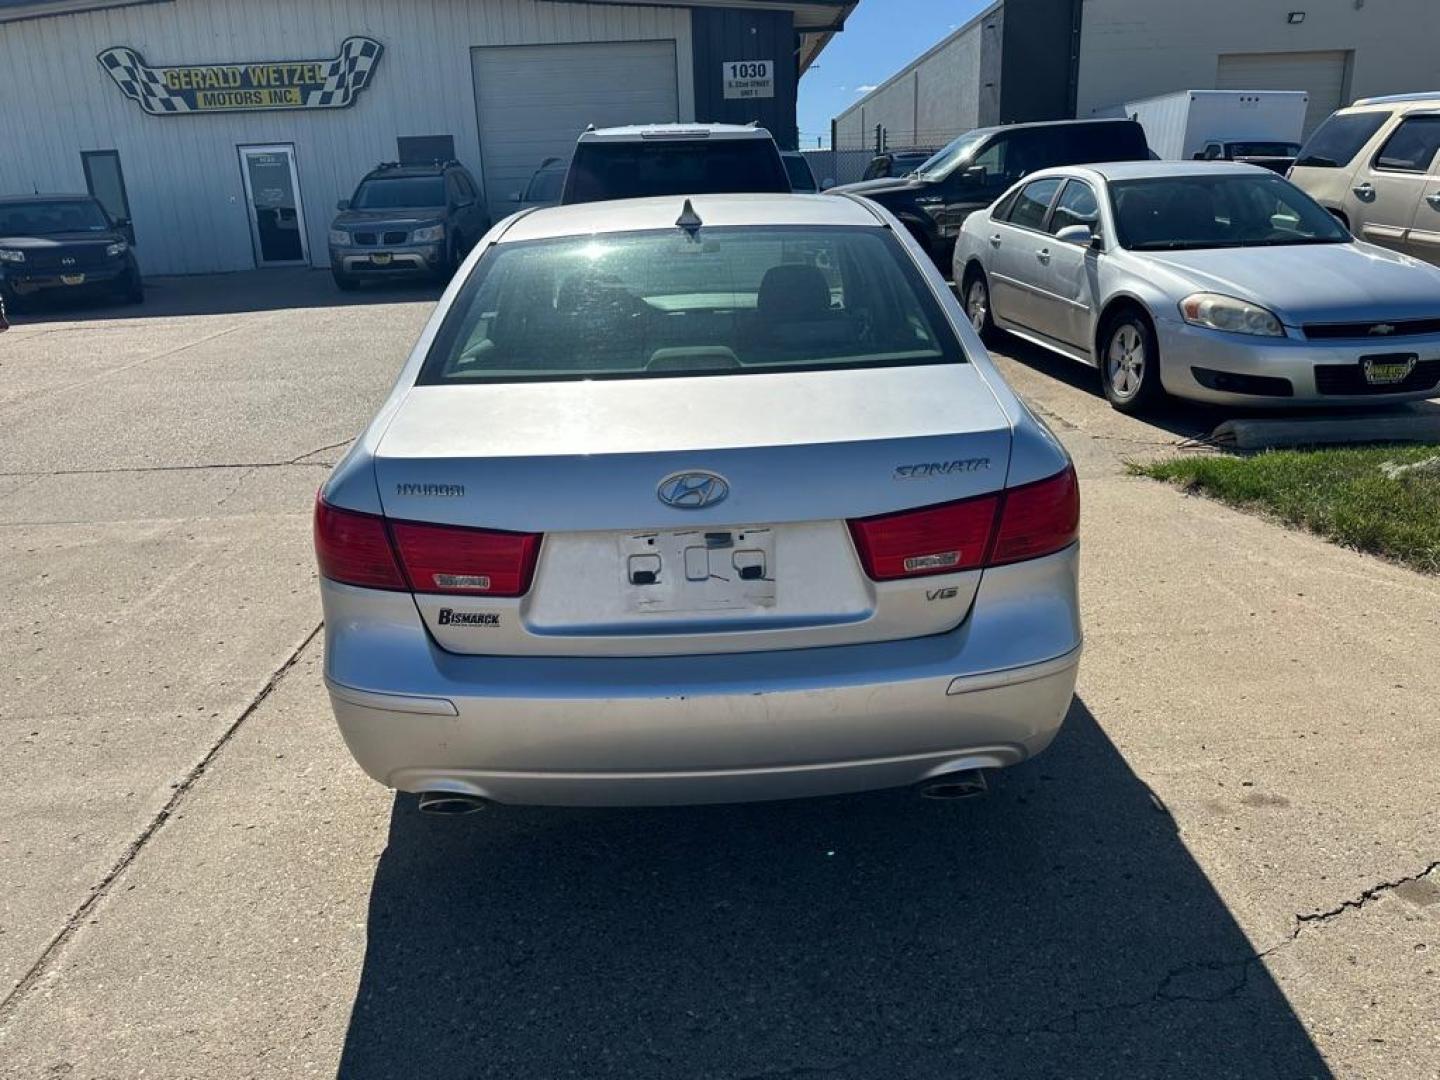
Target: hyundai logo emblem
[
  {"x": 692, "y": 490},
  {"x": 67, "y": 261}
]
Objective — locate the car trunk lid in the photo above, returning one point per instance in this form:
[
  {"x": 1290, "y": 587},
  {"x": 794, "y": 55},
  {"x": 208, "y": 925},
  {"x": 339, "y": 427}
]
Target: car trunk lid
[{"x": 586, "y": 463}]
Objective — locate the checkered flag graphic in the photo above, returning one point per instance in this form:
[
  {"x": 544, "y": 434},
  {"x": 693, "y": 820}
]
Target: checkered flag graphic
[
  {"x": 144, "y": 84},
  {"x": 347, "y": 74}
]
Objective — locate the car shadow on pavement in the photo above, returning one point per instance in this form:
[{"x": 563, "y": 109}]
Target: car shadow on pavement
[
  {"x": 1056, "y": 927},
  {"x": 226, "y": 294}
]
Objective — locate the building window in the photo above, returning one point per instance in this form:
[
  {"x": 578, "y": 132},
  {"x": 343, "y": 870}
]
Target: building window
[{"x": 425, "y": 149}]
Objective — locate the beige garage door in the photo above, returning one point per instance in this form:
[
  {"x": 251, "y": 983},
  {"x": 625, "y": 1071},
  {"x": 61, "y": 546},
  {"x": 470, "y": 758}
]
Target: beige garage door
[
  {"x": 1320, "y": 74},
  {"x": 534, "y": 100}
]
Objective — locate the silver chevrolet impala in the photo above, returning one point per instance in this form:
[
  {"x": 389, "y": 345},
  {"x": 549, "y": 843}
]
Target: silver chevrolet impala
[
  {"x": 684, "y": 501},
  {"x": 1211, "y": 281}
]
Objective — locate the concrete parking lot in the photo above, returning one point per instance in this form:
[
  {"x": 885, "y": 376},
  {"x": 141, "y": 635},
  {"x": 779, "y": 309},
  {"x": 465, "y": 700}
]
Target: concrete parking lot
[{"x": 1227, "y": 865}]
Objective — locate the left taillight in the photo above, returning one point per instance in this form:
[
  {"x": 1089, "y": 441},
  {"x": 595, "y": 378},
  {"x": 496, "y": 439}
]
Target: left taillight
[
  {"x": 374, "y": 552},
  {"x": 452, "y": 559},
  {"x": 354, "y": 548}
]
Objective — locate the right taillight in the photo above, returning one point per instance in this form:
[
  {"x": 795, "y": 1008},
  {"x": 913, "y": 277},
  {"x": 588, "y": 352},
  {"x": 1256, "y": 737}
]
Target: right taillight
[
  {"x": 1038, "y": 519},
  {"x": 1022, "y": 523}
]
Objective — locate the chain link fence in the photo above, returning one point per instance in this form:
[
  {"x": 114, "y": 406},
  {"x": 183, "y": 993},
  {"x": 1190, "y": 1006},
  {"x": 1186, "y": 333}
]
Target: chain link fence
[{"x": 851, "y": 156}]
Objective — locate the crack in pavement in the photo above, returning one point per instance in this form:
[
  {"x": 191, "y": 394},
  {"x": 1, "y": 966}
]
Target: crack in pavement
[
  {"x": 42, "y": 964},
  {"x": 298, "y": 461},
  {"x": 107, "y": 372},
  {"x": 1304, "y": 921},
  {"x": 1170, "y": 989}
]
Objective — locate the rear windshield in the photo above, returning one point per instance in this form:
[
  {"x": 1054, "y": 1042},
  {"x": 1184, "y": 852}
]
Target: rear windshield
[
  {"x": 798, "y": 169},
  {"x": 1178, "y": 213},
  {"x": 42, "y": 217},
  {"x": 635, "y": 170},
  {"x": 394, "y": 192},
  {"x": 1336, "y": 141},
  {"x": 545, "y": 186},
  {"x": 652, "y": 304}
]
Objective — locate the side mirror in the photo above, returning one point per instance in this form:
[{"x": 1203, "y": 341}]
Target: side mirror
[
  {"x": 972, "y": 176},
  {"x": 827, "y": 183},
  {"x": 517, "y": 196},
  {"x": 127, "y": 230},
  {"x": 1076, "y": 234},
  {"x": 343, "y": 205}
]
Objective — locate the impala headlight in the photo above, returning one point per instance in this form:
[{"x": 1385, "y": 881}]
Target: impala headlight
[
  {"x": 116, "y": 249},
  {"x": 1217, "y": 312},
  {"x": 428, "y": 235},
  {"x": 339, "y": 237},
  {"x": 11, "y": 256}
]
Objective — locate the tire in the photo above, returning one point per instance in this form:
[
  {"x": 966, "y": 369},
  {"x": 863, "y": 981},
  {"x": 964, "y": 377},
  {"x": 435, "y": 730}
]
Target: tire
[
  {"x": 976, "y": 298},
  {"x": 344, "y": 282},
  {"x": 134, "y": 290},
  {"x": 1129, "y": 361}
]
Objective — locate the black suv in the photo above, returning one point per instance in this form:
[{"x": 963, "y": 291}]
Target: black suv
[
  {"x": 979, "y": 166},
  {"x": 64, "y": 243},
  {"x": 406, "y": 219}
]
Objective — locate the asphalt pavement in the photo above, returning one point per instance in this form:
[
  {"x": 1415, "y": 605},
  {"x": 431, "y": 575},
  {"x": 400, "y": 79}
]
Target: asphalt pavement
[{"x": 1226, "y": 865}]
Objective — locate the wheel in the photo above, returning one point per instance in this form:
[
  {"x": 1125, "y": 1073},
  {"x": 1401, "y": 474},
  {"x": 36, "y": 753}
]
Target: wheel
[
  {"x": 977, "y": 307},
  {"x": 1130, "y": 363},
  {"x": 344, "y": 282},
  {"x": 133, "y": 289}
]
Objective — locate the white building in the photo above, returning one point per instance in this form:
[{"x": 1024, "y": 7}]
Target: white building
[
  {"x": 1048, "y": 59},
  {"x": 194, "y": 117}
]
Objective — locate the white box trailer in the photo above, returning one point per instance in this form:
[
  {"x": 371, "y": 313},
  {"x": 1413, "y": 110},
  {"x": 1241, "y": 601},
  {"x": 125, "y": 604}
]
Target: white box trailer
[{"x": 1180, "y": 125}]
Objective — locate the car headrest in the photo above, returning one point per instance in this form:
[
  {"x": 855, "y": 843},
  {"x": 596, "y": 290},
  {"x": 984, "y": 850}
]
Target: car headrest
[{"x": 792, "y": 292}]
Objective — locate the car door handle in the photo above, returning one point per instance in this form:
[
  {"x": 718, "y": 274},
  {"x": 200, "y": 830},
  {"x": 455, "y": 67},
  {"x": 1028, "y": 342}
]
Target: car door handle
[
  {"x": 1364, "y": 191},
  {"x": 1434, "y": 199},
  {"x": 1043, "y": 255},
  {"x": 995, "y": 240}
]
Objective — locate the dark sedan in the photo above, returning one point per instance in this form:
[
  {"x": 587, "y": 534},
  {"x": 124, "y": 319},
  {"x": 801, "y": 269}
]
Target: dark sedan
[{"x": 64, "y": 243}]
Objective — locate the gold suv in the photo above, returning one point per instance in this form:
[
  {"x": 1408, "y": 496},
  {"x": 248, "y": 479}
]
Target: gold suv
[{"x": 1374, "y": 166}]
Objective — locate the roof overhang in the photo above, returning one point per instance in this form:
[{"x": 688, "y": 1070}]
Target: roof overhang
[
  {"x": 14, "y": 10},
  {"x": 816, "y": 21}
]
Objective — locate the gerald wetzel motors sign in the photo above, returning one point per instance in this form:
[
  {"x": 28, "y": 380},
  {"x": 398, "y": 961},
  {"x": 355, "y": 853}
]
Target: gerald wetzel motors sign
[{"x": 271, "y": 84}]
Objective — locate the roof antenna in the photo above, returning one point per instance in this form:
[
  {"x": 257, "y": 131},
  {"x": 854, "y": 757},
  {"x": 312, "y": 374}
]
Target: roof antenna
[{"x": 689, "y": 220}]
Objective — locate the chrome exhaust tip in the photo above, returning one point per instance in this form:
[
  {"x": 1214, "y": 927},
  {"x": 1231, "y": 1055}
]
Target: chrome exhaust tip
[
  {"x": 450, "y": 802},
  {"x": 961, "y": 785}
]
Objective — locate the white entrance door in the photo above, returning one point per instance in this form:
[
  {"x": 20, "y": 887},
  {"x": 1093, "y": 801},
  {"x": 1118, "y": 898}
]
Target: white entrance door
[
  {"x": 272, "y": 199},
  {"x": 533, "y": 102}
]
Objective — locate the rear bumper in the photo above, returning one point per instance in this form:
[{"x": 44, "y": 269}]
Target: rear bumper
[
  {"x": 1192, "y": 357},
  {"x": 714, "y": 728}
]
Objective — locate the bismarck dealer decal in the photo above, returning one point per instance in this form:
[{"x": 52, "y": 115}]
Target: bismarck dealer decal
[
  {"x": 451, "y": 617},
  {"x": 272, "y": 84},
  {"x": 926, "y": 469}
]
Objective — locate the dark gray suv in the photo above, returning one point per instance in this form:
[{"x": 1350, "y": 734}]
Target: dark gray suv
[{"x": 406, "y": 219}]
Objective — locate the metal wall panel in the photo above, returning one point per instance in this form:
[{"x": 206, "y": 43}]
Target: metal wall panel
[
  {"x": 950, "y": 89},
  {"x": 183, "y": 173},
  {"x": 1137, "y": 48},
  {"x": 723, "y": 35}
]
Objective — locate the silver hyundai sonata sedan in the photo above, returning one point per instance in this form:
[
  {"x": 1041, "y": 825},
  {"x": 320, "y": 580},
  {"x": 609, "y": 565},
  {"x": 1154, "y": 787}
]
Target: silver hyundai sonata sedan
[
  {"x": 686, "y": 501},
  {"x": 1211, "y": 281}
]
